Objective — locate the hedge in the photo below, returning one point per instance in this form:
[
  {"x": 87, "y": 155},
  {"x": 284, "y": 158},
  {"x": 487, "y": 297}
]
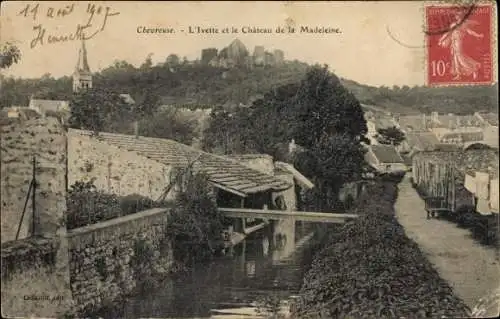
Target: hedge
[
  {"x": 87, "y": 206},
  {"x": 371, "y": 269}
]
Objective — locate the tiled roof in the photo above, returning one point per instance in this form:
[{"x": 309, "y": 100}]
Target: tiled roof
[
  {"x": 386, "y": 154},
  {"x": 456, "y": 121},
  {"x": 301, "y": 179},
  {"x": 447, "y": 147},
  {"x": 384, "y": 122},
  {"x": 244, "y": 157},
  {"x": 224, "y": 172},
  {"x": 414, "y": 122},
  {"x": 490, "y": 118},
  {"x": 424, "y": 141},
  {"x": 464, "y": 136},
  {"x": 472, "y": 136},
  {"x": 466, "y": 161}
]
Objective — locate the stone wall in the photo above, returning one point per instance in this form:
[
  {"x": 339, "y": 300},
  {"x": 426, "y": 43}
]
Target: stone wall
[
  {"x": 289, "y": 195},
  {"x": 39, "y": 259},
  {"x": 116, "y": 171},
  {"x": 33, "y": 282},
  {"x": 104, "y": 257},
  {"x": 20, "y": 140}
]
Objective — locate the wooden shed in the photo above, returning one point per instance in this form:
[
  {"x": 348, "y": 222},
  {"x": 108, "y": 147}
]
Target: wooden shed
[{"x": 440, "y": 176}]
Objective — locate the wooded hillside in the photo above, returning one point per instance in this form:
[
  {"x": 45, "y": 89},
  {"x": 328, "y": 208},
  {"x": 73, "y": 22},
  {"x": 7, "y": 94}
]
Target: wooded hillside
[{"x": 193, "y": 83}]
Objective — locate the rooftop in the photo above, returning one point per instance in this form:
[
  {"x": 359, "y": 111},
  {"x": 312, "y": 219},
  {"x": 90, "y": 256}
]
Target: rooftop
[
  {"x": 225, "y": 173},
  {"x": 424, "y": 141},
  {"x": 490, "y": 118},
  {"x": 452, "y": 121},
  {"x": 386, "y": 154},
  {"x": 414, "y": 122},
  {"x": 485, "y": 160},
  {"x": 465, "y": 136},
  {"x": 49, "y": 105}
]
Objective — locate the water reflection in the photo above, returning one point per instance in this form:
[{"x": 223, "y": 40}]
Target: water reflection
[{"x": 269, "y": 261}]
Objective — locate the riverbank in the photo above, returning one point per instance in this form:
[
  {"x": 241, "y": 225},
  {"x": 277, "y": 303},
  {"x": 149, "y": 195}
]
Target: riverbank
[
  {"x": 370, "y": 268},
  {"x": 470, "y": 267}
]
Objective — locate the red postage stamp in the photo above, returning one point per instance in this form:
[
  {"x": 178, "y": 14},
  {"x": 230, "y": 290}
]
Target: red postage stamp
[{"x": 459, "y": 44}]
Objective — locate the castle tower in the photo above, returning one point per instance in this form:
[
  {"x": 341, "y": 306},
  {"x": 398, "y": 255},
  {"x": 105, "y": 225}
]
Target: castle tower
[{"x": 82, "y": 77}]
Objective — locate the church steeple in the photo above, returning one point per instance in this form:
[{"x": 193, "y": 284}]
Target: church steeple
[{"x": 82, "y": 77}]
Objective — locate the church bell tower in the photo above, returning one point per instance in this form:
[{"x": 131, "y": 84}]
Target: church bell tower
[{"x": 82, "y": 77}]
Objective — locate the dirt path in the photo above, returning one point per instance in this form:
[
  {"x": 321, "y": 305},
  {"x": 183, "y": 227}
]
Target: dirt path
[{"x": 471, "y": 269}]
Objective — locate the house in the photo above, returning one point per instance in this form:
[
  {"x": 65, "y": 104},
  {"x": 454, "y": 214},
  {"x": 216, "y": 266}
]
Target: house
[
  {"x": 127, "y": 98},
  {"x": 487, "y": 119},
  {"x": 127, "y": 164},
  {"x": 45, "y": 107},
  {"x": 284, "y": 171},
  {"x": 455, "y": 122},
  {"x": 385, "y": 159},
  {"x": 419, "y": 142},
  {"x": 448, "y": 175},
  {"x": 20, "y": 112},
  {"x": 376, "y": 122},
  {"x": 440, "y": 124},
  {"x": 490, "y": 127},
  {"x": 414, "y": 123},
  {"x": 462, "y": 138}
]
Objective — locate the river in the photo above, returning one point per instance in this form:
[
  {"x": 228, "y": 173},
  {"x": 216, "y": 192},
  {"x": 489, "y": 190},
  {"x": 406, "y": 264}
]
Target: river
[{"x": 268, "y": 265}]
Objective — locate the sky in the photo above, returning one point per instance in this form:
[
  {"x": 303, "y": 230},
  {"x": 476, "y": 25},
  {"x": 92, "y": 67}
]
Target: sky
[{"x": 380, "y": 43}]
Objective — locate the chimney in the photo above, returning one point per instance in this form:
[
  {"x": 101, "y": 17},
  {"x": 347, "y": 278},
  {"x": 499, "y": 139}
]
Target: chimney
[
  {"x": 136, "y": 128},
  {"x": 424, "y": 121},
  {"x": 458, "y": 121}
]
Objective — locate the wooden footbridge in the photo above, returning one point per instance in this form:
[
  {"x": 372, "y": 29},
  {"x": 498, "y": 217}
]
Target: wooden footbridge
[
  {"x": 266, "y": 214},
  {"x": 242, "y": 216}
]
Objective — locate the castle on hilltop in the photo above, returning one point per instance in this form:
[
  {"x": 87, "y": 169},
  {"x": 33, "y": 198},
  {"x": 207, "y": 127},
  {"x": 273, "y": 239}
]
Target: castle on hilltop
[{"x": 236, "y": 53}]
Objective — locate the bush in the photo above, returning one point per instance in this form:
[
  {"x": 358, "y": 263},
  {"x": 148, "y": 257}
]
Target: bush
[
  {"x": 370, "y": 269},
  {"x": 134, "y": 203},
  {"x": 195, "y": 225},
  {"x": 87, "y": 206}
]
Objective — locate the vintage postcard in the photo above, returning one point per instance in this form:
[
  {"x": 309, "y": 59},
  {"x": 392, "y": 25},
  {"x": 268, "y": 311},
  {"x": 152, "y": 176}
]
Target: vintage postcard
[{"x": 294, "y": 159}]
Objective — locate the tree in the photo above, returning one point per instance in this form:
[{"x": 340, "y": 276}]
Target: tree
[
  {"x": 148, "y": 62},
  {"x": 325, "y": 108},
  {"x": 173, "y": 60},
  {"x": 391, "y": 135},
  {"x": 9, "y": 55},
  {"x": 194, "y": 224},
  {"x": 147, "y": 104},
  {"x": 99, "y": 109},
  {"x": 168, "y": 124},
  {"x": 318, "y": 112},
  {"x": 333, "y": 161}
]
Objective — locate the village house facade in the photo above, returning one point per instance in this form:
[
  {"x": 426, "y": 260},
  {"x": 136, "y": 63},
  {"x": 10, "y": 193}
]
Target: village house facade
[
  {"x": 385, "y": 159},
  {"x": 45, "y": 107},
  {"x": 460, "y": 178}
]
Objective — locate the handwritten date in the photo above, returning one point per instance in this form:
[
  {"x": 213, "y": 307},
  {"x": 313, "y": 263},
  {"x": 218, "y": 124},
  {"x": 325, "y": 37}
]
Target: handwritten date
[{"x": 95, "y": 22}]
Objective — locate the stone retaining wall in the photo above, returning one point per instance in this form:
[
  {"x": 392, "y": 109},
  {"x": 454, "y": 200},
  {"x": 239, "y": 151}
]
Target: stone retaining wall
[{"x": 107, "y": 258}]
